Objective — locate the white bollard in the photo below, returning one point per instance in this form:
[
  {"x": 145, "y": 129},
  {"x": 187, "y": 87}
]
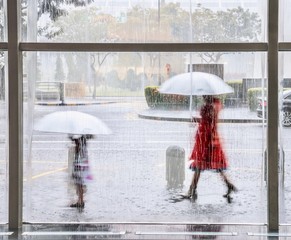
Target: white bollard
[{"x": 175, "y": 166}]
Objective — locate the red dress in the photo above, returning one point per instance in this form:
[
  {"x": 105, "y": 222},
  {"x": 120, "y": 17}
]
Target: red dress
[{"x": 207, "y": 152}]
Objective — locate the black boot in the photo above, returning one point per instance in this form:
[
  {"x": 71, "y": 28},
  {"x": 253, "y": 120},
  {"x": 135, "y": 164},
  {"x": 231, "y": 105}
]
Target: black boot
[
  {"x": 230, "y": 188},
  {"x": 194, "y": 195},
  {"x": 191, "y": 193}
]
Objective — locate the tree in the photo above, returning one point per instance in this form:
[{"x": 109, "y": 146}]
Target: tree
[
  {"x": 232, "y": 25},
  {"x": 55, "y": 7},
  {"x": 85, "y": 25},
  {"x": 97, "y": 61},
  {"x": 171, "y": 23},
  {"x": 59, "y": 74},
  {"x": 73, "y": 73}
]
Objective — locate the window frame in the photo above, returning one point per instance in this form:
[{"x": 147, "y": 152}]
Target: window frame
[{"x": 15, "y": 48}]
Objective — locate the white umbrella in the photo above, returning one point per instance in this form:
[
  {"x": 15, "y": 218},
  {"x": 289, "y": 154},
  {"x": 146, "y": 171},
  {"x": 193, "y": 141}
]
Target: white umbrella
[
  {"x": 71, "y": 122},
  {"x": 195, "y": 83}
]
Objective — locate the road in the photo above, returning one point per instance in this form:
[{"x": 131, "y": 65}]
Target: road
[{"x": 129, "y": 182}]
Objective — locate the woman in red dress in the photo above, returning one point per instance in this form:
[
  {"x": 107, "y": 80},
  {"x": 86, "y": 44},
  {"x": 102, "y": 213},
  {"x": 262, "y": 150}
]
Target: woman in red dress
[{"x": 207, "y": 153}]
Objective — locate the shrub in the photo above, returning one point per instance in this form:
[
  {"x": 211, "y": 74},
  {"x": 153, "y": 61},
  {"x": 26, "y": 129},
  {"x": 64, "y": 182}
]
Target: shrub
[
  {"x": 252, "y": 95},
  {"x": 151, "y": 95},
  {"x": 237, "y": 89},
  {"x": 235, "y": 98},
  {"x": 155, "y": 99}
]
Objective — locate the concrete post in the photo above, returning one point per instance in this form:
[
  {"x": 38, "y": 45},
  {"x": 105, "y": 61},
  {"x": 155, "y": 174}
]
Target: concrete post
[
  {"x": 175, "y": 166},
  {"x": 281, "y": 165}
]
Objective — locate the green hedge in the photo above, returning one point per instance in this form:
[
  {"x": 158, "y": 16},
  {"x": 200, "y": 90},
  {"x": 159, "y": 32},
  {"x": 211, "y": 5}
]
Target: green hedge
[
  {"x": 237, "y": 88},
  {"x": 252, "y": 95},
  {"x": 158, "y": 100}
]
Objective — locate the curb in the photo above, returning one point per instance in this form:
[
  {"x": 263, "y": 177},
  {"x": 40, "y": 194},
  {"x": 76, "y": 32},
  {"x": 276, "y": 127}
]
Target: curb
[
  {"x": 197, "y": 119},
  {"x": 158, "y": 118}
]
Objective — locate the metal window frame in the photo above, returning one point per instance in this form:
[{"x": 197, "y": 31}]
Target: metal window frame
[
  {"x": 15, "y": 123},
  {"x": 272, "y": 118},
  {"x": 144, "y": 47},
  {"x": 15, "y": 49}
]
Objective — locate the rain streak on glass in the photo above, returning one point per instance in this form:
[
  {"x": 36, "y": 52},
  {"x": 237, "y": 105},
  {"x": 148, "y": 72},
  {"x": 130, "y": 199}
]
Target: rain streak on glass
[{"x": 133, "y": 175}]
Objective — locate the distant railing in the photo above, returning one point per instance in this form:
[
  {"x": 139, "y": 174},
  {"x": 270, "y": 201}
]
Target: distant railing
[
  {"x": 49, "y": 91},
  {"x": 56, "y": 91}
]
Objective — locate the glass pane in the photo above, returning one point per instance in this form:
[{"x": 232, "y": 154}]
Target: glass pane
[
  {"x": 140, "y": 171},
  {"x": 284, "y": 30},
  {"x": 3, "y": 141},
  {"x": 284, "y": 130},
  {"x": 145, "y": 21},
  {"x": 3, "y": 20}
]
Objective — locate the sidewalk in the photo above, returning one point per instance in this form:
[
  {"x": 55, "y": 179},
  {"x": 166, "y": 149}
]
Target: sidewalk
[
  {"x": 79, "y": 101},
  {"x": 227, "y": 115}
]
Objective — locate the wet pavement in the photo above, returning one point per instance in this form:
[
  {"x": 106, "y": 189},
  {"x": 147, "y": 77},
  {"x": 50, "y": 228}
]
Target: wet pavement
[
  {"x": 143, "y": 194},
  {"x": 227, "y": 115},
  {"x": 130, "y": 194},
  {"x": 240, "y": 114}
]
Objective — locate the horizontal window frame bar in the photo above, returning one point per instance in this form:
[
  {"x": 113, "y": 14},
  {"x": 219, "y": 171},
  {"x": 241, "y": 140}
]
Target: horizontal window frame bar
[
  {"x": 149, "y": 223},
  {"x": 286, "y": 46},
  {"x": 147, "y": 47},
  {"x": 144, "y": 47},
  {"x": 4, "y": 45}
]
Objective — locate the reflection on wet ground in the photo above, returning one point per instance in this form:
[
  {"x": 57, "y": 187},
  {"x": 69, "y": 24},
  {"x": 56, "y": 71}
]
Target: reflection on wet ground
[
  {"x": 142, "y": 231},
  {"x": 207, "y": 231}
]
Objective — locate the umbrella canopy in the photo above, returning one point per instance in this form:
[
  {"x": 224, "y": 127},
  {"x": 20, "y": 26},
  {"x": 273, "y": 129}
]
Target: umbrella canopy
[
  {"x": 195, "y": 83},
  {"x": 71, "y": 122}
]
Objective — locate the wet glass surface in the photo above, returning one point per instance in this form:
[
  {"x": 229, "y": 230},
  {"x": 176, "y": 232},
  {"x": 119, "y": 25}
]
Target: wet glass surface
[
  {"x": 145, "y": 21},
  {"x": 284, "y": 161},
  {"x": 3, "y": 145},
  {"x": 133, "y": 178},
  {"x": 284, "y": 32}
]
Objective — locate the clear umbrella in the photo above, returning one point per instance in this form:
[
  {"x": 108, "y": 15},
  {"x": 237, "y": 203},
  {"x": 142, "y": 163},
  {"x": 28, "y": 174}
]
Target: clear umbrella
[{"x": 71, "y": 122}]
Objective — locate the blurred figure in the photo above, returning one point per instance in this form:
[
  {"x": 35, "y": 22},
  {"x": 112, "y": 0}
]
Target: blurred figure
[
  {"x": 80, "y": 173},
  {"x": 207, "y": 153}
]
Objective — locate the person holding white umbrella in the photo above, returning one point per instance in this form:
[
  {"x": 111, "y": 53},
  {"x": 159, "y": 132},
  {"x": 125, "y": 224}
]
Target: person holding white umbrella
[
  {"x": 81, "y": 172},
  {"x": 80, "y": 127},
  {"x": 207, "y": 153}
]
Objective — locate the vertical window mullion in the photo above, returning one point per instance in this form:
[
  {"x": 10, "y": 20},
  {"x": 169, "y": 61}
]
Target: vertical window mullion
[
  {"x": 15, "y": 155},
  {"x": 273, "y": 113}
]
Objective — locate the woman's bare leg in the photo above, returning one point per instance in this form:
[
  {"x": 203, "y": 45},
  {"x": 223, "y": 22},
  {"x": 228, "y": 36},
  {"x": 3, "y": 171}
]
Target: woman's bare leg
[
  {"x": 230, "y": 187},
  {"x": 80, "y": 194},
  {"x": 194, "y": 183}
]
